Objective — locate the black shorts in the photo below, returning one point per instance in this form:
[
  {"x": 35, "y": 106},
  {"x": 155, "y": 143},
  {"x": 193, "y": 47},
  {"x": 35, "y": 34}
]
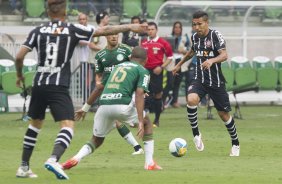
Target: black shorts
[
  {"x": 218, "y": 94},
  {"x": 156, "y": 83},
  {"x": 57, "y": 98}
]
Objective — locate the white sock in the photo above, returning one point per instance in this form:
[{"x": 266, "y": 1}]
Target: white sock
[
  {"x": 149, "y": 152},
  {"x": 130, "y": 139},
  {"x": 83, "y": 152}
]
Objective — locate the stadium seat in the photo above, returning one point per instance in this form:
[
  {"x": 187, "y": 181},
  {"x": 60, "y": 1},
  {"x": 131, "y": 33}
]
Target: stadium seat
[
  {"x": 267, "y": 75},
  {"x": 153, "y": 6},
  {"x": 9, "y": 83},
  {"x": 28, "y": 78},
  {"x": 132, "y": 8},
  {"x": 245, "y": 75},
  {"x": 29, "y": 65},
  {"x": 6, "y": 65},
  {"x": 278, "y": 66},
  {"x": 228, "y": 74},
  {"x": 34, "y": 8}
]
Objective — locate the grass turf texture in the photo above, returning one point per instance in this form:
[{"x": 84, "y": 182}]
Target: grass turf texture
[{"x": 260, "y": 160}]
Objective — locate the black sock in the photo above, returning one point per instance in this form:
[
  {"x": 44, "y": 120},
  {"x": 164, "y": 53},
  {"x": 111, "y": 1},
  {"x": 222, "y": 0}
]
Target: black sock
[
  {"x": 137, "y": 147},
  {"x": 193, "y": 119},
  {"x": 62, "y": 142},
  {"x": 230, "y": 125},
  {"x": 158, "y": 110},
  {"x": 29, "y": 144}
]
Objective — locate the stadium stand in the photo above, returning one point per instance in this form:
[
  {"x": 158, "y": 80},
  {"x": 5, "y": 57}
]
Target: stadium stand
[
  {"x": 34, "y": 8},
  {"x": 132, "y": 8}
]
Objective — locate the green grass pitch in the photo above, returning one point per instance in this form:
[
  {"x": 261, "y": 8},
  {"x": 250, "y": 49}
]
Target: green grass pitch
[{"x": 260, "y": 134}]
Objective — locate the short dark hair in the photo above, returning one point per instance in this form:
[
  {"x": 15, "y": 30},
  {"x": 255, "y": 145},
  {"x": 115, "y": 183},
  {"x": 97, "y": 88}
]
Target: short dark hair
[
  {"x": 100, "y": 16},
  {"x": 136, "y": 17},
  {"x": 56, "y": 6},
  {"x": 153, "y": 24},
  {"x": 200, "y": 14},
  {"x": 139, "y": 54}
]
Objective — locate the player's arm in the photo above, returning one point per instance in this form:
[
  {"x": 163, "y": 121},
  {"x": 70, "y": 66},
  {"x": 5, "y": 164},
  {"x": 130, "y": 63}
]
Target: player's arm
[
  {"x": 139, "y": 102},
  {"x": 111, "y": 30},
  {"x": 218, "y": 59},
  {"x": 19, "y": 64},
  {"x": 185, "y": 58},
  {"x": 81, "y": 113}
]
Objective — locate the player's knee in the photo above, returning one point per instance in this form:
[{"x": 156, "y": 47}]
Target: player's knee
[{"x": 193, "y": 99}]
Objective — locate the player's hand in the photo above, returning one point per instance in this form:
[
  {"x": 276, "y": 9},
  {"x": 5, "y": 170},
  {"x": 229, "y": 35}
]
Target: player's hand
[
  {"x": 140, "y": 132},
  {"x": 175, "y": 70},
  {"x": 158, "y": 70},
  {"x": 207, "y": 64},
  {"x": 139, "y": 28},
  {"x": 79, "y": 114},
  {"x": 20, "y": 81}
]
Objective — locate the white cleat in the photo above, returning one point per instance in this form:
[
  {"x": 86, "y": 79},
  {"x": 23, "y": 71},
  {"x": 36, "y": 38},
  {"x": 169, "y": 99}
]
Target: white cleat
[
  {"x": 198, "y": 142},
  {"x": 235, "y": 151},
  {"x": 24, "y": 172},
  {"x": 57, "y": 169},
  {"x": 139, "y": 152}
]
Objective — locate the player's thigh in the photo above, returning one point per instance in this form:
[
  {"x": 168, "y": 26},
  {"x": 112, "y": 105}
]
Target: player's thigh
[
  {"x": 196, "y": 91},
  {"x": 60, "y": 103},
  {"x": 103, "y": 121},
  {"x": 38, "y": 104},
  {"x": 220, "y": 99}
]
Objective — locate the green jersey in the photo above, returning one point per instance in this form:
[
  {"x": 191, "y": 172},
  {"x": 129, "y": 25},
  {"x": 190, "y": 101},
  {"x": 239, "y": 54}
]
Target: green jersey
[
  {"x": 107, "y": 59},
  {"x": 123, "y": 82}
]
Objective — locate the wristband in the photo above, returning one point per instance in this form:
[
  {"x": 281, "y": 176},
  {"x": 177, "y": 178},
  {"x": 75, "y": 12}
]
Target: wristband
[{"x": 86, "y": 107}]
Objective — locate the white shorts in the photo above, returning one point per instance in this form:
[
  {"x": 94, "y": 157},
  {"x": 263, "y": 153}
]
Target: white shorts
[{"x": 106, "y": 115}]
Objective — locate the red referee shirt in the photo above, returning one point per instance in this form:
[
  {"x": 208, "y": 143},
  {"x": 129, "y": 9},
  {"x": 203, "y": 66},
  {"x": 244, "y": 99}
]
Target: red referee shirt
[{"x": 156, "y": 48}]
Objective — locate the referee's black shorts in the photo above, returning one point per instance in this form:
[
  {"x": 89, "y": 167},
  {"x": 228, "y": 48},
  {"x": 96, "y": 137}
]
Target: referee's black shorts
[
  {"x": 57, "y": 98},
  {"x": 218, "y": 94},
  {"x": 156, "y": 83}
]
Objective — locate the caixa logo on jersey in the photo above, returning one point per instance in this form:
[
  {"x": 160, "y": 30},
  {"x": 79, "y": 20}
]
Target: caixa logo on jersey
[
  {"x": 205, "y": 53},
  {"x": 111, "y": 96}
]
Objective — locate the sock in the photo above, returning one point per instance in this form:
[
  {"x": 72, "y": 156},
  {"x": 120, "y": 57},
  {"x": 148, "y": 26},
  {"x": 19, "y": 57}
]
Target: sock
[
  {"x": 29, "y": 144},
  {"x": 62, "y": 142},
  {"x": 127, "y": 135},
  {"x": 193, "y": 119},
  {"x": 158, "y": 110},
  {"x": 230, "y": 125},
  {"x": 148, "y": 148},
  {"x": 86, "y": 149}
]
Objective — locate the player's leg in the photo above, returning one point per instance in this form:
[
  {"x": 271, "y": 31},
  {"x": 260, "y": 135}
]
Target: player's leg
[
  {"x": 103, "y": 124},
  {"x": 128, "y": 136},
  {"x": 222, "y": 104},
  {"x": 148, "y": 140},
  {"x": 195, "y": 92},
  {"x": 62, "y": 110},
  {"x": 36, "y": 111}
]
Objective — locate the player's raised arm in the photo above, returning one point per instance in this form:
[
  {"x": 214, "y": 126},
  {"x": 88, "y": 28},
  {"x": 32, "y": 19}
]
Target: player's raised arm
[{"x": 110, "y": 30}]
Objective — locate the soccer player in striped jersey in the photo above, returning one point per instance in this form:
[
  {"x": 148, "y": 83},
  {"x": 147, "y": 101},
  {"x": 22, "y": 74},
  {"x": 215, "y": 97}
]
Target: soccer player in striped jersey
[
  {"x": 209, "y": 47},
  {"x": 106, "y": 59},
  {"x": 54, "y": 42},
  {"x": 116, "y": 103}
]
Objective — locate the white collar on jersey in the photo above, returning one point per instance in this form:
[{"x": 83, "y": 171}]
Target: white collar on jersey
[{"x": 154, "y": 39}]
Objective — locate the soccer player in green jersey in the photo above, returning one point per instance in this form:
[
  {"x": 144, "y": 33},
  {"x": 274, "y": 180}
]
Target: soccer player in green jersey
[
  {"x": 106, "y": 59},
  {"x": 116, "y": 102}
]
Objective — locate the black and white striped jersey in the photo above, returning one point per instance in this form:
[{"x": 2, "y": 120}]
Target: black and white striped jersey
[
  {"x": 55, "y": 42},
  {"x": 205, "y": 48}
]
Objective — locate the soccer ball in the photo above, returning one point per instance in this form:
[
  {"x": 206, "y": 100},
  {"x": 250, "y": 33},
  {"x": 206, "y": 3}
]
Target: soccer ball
[{"x": 178, "y": 147}]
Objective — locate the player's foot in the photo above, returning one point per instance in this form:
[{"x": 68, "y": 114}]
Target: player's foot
[
  {"x": 198, "y": 142},
  {"x": 25, "y": 172},
  {"x": 153, "y": 166},
  {"x": 57, "y": 169},
  {"x": 70, "y": 163},
  {"x": 155, "y": 125},
  {"x": 235, "y": 151},
  {"x": 139, "y": 152}
]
